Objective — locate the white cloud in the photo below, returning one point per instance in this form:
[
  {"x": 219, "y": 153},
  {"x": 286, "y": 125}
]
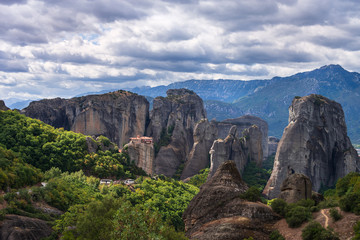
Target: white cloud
[{"x": 62, "y": 48}]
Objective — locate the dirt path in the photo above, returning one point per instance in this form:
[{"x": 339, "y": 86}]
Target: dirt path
[{"x": 326, "y": 218}]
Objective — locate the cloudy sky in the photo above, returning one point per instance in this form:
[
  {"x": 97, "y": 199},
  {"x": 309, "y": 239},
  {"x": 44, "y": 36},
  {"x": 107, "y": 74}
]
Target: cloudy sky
[{"x": 51, "y": 48}]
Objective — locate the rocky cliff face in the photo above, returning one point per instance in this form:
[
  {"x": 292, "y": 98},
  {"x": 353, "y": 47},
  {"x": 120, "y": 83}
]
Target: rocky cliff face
[
  {"x": 240, "y": 150},
  {"x": 295, "y": 188},
  {"x": 204, "y": 135},
  {"x": 272, "y": 145},
  {"x": 315, "y": 143},
  {"x": 217, "y": 212},
  {"x": 172, "y": 124},
  {"x": 143, "y": 154},
  {"x": 117, "y": 115},
  {"x": 23, "y": 228},
  {"x": 3, "y": 106},
  {"x": 243, "y": 123}
]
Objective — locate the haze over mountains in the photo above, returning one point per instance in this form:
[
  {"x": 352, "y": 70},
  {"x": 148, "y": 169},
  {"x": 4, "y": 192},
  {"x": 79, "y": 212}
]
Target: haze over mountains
[{"x": 270, "y": 99}]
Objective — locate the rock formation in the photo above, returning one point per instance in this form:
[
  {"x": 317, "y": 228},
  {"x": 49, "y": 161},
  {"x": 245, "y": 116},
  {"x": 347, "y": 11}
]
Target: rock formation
[
  {"x": 272, "y": 145},
  {"x": 217, "y": 211},
  {"x": 240, "y": 150},
  {"x": 296, "y": 187},
  {"x": 3, "y": 106},
  {"x": 315, "y": 143},
  {"x": 172, "y": 124},
  {"x": 23, "y": 228},
  {"x": 117, "y": 115},
  {"x": 142, "y": 152},
  {"x": 243, "y": 123},
  {"x": 204, "y": 135}
]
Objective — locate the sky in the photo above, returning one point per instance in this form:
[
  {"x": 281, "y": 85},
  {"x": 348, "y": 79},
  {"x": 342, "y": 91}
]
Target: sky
[{"x": 52, "y": 48}]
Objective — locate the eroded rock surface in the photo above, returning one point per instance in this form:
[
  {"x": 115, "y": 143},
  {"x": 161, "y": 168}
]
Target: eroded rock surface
[
  {"x": 315, "y": 143},
  {"x": 174, "y": 117},
  {"x": 240, "y": 150},
  {"x": 143, "y": 155},
  {"x": 3, "y": 106},
  {"x": 23, "y": 228},
  {"x": 243, "y": 123},
  {"x": 272, "y": 145},
  {"x": 204, "y": 135},
  {"x": 117, "y": 115},
  {"x": 217, "y": 212},
  {"x": 295, "y": 188}
]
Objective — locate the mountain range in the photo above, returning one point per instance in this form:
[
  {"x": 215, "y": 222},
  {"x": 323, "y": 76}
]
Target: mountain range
[
  {"x": 267, "y": 99},
  {"x": 270, "y": 99}
]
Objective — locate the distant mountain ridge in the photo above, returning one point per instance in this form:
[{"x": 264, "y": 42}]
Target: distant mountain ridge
[{"x": 270, "y": 99}]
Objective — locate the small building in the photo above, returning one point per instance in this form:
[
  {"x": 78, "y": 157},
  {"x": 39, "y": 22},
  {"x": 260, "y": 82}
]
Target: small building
[
  {"x": 129, "y": 181},
  {"x": 106, "y": 181},
  {"x": 138, "y": 139}
]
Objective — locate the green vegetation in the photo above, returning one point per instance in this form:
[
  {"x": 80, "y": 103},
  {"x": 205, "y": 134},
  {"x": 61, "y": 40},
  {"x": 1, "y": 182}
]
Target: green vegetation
[
  {"x": 165, "y": 138},
  {"x": 14, "y": 173},
  {"x": 334, "y": 214},
  {"x": 296, "y": 215},
  {"x": 357, "y": 231},
  {"x": 45, "y": 147},
  {"x": 256, "y": 176},
  {"x": 199, "y": 179},
  {"x": 314, "y": 231},
  {"x": 279, "y": 206},
  {"x": 275, "y": 235},
  {"x": 252, "y": 194}
]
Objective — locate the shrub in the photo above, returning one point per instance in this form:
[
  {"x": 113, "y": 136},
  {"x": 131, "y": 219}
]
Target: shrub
[
  {"x": 334, "y": 214},
  {"x": 275, "y": 235},
  {"x": 350, "y": 201},
  {"x": 308, "y": 203},
  {"x": 314, "y": 231},
  {"x": 357, "y": 231},
  {"x": 252, "y": 194},
  {"x": 296, "y": 215},
  {"x": 279, "y": 206}
]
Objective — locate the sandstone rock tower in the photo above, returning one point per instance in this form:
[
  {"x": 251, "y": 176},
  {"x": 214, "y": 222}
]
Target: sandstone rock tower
[
  {"x": 117, "y": 115},
  {"x": 217, "y": 211},
  {"x": 315, "y": 143},
  {"x": 172, "y": 124}
]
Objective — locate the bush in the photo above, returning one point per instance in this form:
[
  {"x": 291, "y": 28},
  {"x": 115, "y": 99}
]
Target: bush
[
  {"x": 252, "y": 194},
  {"x": 296, "y": 215},
  {"x": 334, "y": 214},
  {"x": 275, "y": 235},
  {"x": 357, "y": 231},
  {"x": 308, "y": 203},
  {"x": 279, "y": 206},
  {"x": 314, "y": 231},
  {"x": 350, "y": 202}
]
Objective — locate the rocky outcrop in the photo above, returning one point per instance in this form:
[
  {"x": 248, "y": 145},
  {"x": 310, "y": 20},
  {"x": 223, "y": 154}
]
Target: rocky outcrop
[
  {"x": 243, "y": 123},
  {"x": 3, "y": 107},
  {"x": 217, "y": 211},
  {"x": 295, "y": 188},
  {"x": 240, "y": 150},
  {"x": 252, "y": 138},
  {"x": 23, "y": 228},
  {"x": 117, "y": 115},
  {"x": 204, "y": 135},
  {"x": 315, "y": 143},
  {"x": 172, "y": 124},
  {"x": 143, "y": 155},
  {"x": 272, "y": 145}
]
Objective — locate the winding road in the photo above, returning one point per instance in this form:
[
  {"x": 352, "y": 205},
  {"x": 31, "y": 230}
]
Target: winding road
[{"x": 326, "y": 218}]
